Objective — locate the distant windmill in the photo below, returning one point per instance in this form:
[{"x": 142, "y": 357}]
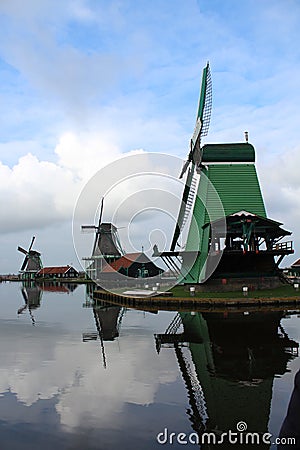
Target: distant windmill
[
  {"x": 107, "y": 242},
  {"x": 32, "y": 262},
  {"x": 107, "y": 247}
]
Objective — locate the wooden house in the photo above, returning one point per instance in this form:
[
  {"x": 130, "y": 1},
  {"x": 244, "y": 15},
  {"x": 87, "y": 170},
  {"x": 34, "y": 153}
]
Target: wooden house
[
  {"x": 57, "y": 272},
  {"x": 134, "y": 265}
]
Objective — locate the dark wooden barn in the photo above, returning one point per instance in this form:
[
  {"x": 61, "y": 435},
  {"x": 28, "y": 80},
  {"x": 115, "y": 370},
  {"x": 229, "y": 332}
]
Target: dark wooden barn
[{"x": 134, "y": 265}]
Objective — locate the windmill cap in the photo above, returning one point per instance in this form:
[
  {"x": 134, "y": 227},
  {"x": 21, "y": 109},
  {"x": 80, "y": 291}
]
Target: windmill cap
[{"x": 234, "y": 152}]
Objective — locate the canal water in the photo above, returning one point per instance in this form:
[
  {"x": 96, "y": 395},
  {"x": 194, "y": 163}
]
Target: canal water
[{"x": 74, "y": 376}]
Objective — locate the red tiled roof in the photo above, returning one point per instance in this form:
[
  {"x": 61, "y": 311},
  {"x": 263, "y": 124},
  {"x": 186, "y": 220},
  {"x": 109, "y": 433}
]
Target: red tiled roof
[
  {"x": 296, "y": 263},
  {"x": 124, "y": 262},
  {"x": 54, "y": 270},
  {"x": 54, "y": 288}
]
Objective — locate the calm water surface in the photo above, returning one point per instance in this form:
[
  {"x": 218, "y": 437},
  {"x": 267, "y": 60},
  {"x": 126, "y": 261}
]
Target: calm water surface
[{"x": 77, "y": 377}]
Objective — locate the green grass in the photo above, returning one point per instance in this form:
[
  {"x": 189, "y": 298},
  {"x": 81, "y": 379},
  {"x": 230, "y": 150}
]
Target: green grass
[{"x": 282, "y": 291}]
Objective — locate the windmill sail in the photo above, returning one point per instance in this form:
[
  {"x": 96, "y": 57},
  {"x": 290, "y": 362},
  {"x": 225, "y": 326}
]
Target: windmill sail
[
  {"x": 22, "y": 250},
  {"x": 185, "y": 207},
  {"x": 98, "y": 229},
  {"x": 31, "y": 244},
  {"x": 24, "y": 263},
  {"x": 202, "y": 120},
  {"x": 194, "y": 157}
]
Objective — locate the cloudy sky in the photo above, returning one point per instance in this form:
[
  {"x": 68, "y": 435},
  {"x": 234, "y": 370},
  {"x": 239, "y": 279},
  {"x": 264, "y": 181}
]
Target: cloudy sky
[{"x": 84, "y": 82}]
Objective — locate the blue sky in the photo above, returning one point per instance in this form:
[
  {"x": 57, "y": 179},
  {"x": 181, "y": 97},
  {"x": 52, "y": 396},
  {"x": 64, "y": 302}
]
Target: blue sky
[{"x": 84, "y": 82}]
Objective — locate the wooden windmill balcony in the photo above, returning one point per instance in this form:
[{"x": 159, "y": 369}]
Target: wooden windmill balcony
[{"x": 283, "y": 247}]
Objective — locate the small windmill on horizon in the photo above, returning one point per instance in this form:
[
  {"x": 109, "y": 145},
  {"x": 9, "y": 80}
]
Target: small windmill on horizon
[{"x": 32, "y": 262}]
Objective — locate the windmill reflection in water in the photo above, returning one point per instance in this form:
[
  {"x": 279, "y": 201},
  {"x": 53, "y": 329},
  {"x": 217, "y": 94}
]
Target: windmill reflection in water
[{"x": 228, "y": 361}]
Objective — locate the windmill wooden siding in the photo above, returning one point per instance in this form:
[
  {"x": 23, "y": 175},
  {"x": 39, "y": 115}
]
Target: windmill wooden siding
[
  {"x": 133, "y": 265},
  {"x": 295, "y": 269}
]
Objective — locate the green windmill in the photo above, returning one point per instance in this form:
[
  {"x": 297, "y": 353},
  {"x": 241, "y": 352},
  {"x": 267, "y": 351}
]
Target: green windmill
[{"x": 229, "y": 235}]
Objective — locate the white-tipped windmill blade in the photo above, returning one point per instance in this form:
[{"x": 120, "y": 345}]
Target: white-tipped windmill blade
[
  {"x": 195, "y": 155},
  {"x": 202, "y": 121}
]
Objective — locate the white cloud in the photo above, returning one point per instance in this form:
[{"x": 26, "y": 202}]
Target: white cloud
[
  {"x": 31, "y": 193},
  {"x": 37, "y": 193},
  {"x": 85, "y": 154},
  {"x": 279, "y": 175}
]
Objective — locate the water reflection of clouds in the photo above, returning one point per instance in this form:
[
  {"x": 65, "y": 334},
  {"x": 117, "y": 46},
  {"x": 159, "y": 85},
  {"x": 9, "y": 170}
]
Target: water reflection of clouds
[
  {"x": 102, "y": 394},
  {"x": 291, "y": 324},
  {"x": 47, "y": 363}
]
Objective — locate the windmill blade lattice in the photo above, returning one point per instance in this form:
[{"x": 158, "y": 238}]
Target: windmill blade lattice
[
  {"x": 195, "y": 156},
  {"x": 185, "y": 207},
  {"x": 202, "y": 120}
]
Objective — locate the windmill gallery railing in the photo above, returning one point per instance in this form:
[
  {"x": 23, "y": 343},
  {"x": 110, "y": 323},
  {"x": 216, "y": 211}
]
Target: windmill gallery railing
[
  {"x": 285, "y": 246},
  {"x": 276, "y": 247}
]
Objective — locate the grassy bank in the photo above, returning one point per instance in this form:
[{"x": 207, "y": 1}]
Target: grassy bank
[{"x": 280, "y": 292}]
